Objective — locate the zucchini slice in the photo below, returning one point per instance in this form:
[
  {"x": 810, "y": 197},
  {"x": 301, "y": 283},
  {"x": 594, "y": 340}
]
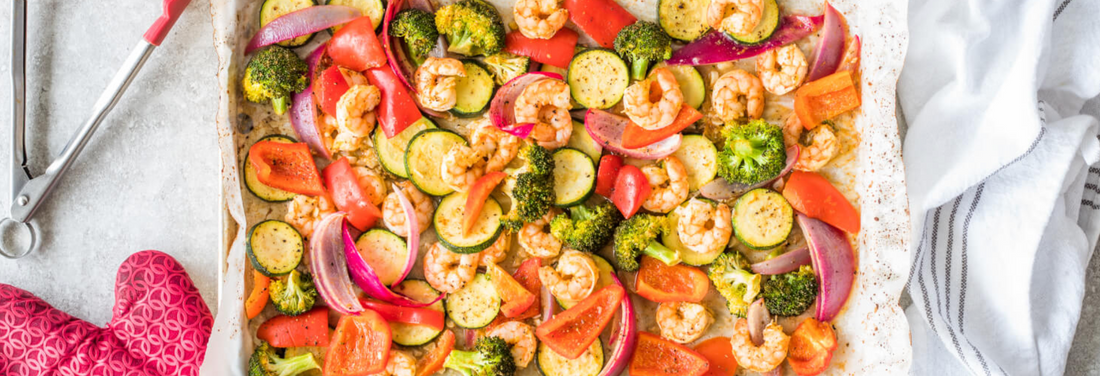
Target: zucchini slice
[
  {"x": 691, "y": 83},
  {"x": 385, "y": 252},
  {"x": 574, "y": 177},
  {"x": 588, "y": 364},
  {"x": 769, "y": 21},
  {"x": 475, "y": 305},
  {"x": 685, "y": 20},
  {"x": 582, "y": 141},
  {"x": 762, "y": 219},
  {"x": 274, "y": 247},
  {"x": 261, "y": 190},
  {"x": 370, "y": 8},
  {"x": 700, "y": 158},
  {"x": 448, "y": 224},
  {"x": 411, "y": 334},
  {"x": 272, "y": 9},
  {"x": 605, "y": 269},
  {"x": 391, "y": 151},
  {"x": 597, "y": 78},
  {"x": 671, "y": 239},
  {"x": 424, "y": 158},
  {"x": 474, "y": 91}
]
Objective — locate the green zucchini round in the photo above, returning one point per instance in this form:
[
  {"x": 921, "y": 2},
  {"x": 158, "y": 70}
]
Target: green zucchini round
[
  {"x": 475, "y": 305},
  {"x": 700, "y": 159},
  {"x": 375, "y": 9},
  {"x": 691, "y": 83},
  {"x": 391, "y": 151},
  {"x": 259, "y": 189},
  {"x": 684, "y": 20},
  {"x": 474, "y": 91},
  {"x": 762, "y": 219},
  {"x": 588, "y": 364},
  {"x": 274, "y": 247},
  {"x": 769, "y": 22},
  {"x": 412, "y": 334},
  {"x": 424, "y": 159},
  {"x": 385, "y": 252},
  {"x": 597, "y": 78},
  {"x": 272, "y": 9},
  {"x": 448, "y": 224},
  {"x": 582, "y": 141},
  {"x": 574, "y": 177}
]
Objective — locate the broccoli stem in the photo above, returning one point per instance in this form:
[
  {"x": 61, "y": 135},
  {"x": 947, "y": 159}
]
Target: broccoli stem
[
  {"x": 280, "y": 104},
  {"x": 659, "y": 251},
  {"x": 296, "y": 365},
  {"x": 638, "y": 69}
]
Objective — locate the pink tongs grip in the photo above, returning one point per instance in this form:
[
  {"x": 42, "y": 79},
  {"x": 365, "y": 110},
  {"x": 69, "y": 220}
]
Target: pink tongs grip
[{"x": 172, "y": 11}]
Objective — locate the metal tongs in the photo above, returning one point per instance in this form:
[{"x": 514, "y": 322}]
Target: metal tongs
[{"x": 28, "y": 191}]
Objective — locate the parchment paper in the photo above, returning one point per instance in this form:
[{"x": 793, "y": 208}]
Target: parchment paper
[{"x": 872, "y": 331}]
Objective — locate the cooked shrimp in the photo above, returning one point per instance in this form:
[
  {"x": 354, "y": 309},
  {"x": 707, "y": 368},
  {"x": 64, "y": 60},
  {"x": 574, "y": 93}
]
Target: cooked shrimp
[
  {"x": 447, "y": 271},
  {"x": 393, "y": 215},
  {"x": 573, "y": 278},
  {"x": 737, "y": 95},
  {"x": 669, "y": 182},
  {"x": 373, "y": 185},
  {"x": 819, "y": 146},
  {"x": 400, "y": 363},
  {"x": 782, "y": 69},
  {"x": 761, "y": 358},
  {"x": 522, "y": 338},
  {"x": 462, "y": 166},
  {"x": 703, "y": 227},
  {"x": 654, "y": 102},
  {"x": 535, "y": 237},
  {"x": 539, "y": 19},
  {"x": 436, "y": 82},
  {"x": 735, "y": 16},
  {"x": 355, "y": 116},
  {"x": 496, "y": 147},
  {"x": 498, "y": 251},
  {"x": 305, "y": 211},
  {"x": 683, "y": 322},
  {"x": 546, "y": 104}
]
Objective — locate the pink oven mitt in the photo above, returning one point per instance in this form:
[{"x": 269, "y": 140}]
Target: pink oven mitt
[{"x": 160, "y": 327}]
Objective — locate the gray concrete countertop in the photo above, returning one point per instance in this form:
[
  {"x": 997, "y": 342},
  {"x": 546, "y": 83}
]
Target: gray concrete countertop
[{"x": 149, "y": 177}]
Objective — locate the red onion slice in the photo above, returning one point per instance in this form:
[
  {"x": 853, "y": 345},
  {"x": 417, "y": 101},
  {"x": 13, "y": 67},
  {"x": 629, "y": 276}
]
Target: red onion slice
[
  {"x": 303, "y": 117},
  {"x": 833, "y": 262},
  {"x": 547, "y": 304},
  {"x": 313, "y": 59},
  {"x": 301, "y": 22},
  {"x": 401, "y": 67},
  {"x": 758, "y": 318},
  {"x": 717, "y": 47},
  {"x": 830, "y": 48},
  {"x": 367, "y": 279},
  {"x": 721, "y": 190},
  {"x": 329, "y": 266},
  {"x": 502, "y": 110},
  {"x": 624, "y": 339},
  {"x": 607, "y": 130},
  {"x": 785, "y": 263},
  {"x": 412, "y": 226}
]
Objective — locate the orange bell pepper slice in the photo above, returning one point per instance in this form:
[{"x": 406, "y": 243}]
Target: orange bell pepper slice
[
  {"x": 516, "y": 297},
  {"x": 475, "y": 199},
  {"x": 571, "y": 332},
  {"x": 360, "y": 346},
  {"x": 825, "y": 98},
  {"x": 527, "y": 275},
  {"x": 637, "y": 137},
  {"x": 257, "y": 300},
  {"x": 286, "y": 166},
  {"x": 811, "y": 347},
  {"x": 719, "y": 352},
  {"x": 656, "y": 356},
  {"x": 308, "y": 329},
  {"x": 678, "y": 283},
  {"x": 813, "y": 195},
  {"x": 433, "y": 361}
]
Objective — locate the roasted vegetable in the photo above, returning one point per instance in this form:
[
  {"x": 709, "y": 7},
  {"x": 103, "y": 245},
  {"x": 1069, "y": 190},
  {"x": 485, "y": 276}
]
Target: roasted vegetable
[
  {"x": 533, "y": 191},
  {"x": 491, "y": 357},
  {"x": 637, "y": 236},
  {"x": 274, "y": 74},
  {"x": 643, "y": 43},
  {"x": 732, "y": 278},
  {"x": 417, "y": 29},
  {"x": 293, "y": 295},
  {"x": 265, "y": 362},
  {"x": 752, "y": 152},
  {"x": 472, "y": 27},
  {"x": 586, "y": 228},
  {"x": 790, "y": 294}
]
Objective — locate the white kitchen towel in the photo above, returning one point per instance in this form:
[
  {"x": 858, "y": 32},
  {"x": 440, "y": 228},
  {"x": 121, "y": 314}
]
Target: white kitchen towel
[{"x": 1003, "y": 205}]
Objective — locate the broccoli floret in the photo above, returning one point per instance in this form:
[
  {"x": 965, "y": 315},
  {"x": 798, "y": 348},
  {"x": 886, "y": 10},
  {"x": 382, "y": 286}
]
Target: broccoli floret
[
  {"x": 505, "y": 66},
  {"x": 274, "y": 74},
  {"x": 738, "y": 285},
  {"x": 792, "y": 293},
  {"x": 264, "y": 362},
  {"x": 533, "y": 194},
  {"x": 491, "y": 357},
  {"x": 417, "y": 28},
  {"x": 642, "y": 43},
  {"x": 637, "y": 236},
  {"x": 293, "y": 295},
  {"x": 586, "y": 228},
  {"x": 752, "y": 152},
  {"x": 472, "y": 27}
]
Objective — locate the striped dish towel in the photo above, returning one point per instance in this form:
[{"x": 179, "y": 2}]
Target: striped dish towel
[{"x": 1001, "y": 158}]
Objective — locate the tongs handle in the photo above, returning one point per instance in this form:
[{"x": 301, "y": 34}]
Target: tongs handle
[{"x": 19, "y": 173}]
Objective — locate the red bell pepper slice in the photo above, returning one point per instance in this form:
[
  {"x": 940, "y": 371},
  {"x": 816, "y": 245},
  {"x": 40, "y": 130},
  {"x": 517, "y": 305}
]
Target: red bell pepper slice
[
  {"x": 631, "y": 190},
  {"x": 811, "y": 347},
  {"x": 607, "y": 173},
  {"x": 433, "y": 361},
  {"x": 329, "y": 86},
  {"x": 571, "y": 332},
  {"x": 397, "y": 110},
  {"x": 600, "y": 19},
  {"x": 527, "y": 275},
  {"x": 360, "y": 346},
  {"x": 678, "y": 283},
  {"x": 475, "y": 199},
  {"x": 719, "y": 352},
  {"x": 356, "y": 47},
  {"x": 557, "y": 51},
  {"x": 307, "y": 329},
  {"x": 349, "y": 196},
  {"x": 637, "y": 137},
  {"x": 825, "y": 98},
  {"x": 656, "y": 356},
  {"x": 286, "y": 166},
  {"x": 517, "y": 299},
  {"x": 407, "y": 315},
  {"x": 813, "y": 195}
]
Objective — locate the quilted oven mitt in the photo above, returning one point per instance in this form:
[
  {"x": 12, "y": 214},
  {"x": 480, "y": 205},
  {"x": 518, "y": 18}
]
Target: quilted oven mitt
[{"x": 160, "y": 327}]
